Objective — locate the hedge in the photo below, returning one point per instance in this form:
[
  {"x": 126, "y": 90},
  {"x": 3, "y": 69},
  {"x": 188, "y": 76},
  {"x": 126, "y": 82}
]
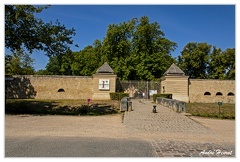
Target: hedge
[
  {"x": 161, "y": 95},
  {"x": 118, "y": 95}
]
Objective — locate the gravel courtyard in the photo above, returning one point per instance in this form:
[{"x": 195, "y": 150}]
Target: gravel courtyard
[{"x": 169, "y": 134}]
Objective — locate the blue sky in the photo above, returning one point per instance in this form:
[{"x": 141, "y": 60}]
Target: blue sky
[{"x": 214, "y": 24}]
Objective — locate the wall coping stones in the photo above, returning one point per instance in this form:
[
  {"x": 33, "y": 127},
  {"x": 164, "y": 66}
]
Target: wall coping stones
[
  {"x": 212, "y": 80},
  {"x": 51, "y": 76}
]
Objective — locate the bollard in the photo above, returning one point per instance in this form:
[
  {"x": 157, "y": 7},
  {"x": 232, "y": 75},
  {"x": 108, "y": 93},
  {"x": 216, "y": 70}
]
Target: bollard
[
  {"x": 129, "y": 105},
  {"x": 154, "y": 109}
]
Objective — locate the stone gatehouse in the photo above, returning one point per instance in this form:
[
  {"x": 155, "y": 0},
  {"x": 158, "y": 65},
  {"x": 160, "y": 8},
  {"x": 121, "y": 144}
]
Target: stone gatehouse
[
  {"x": 99, "y": 85},
  {"x": 175, "y": 82}
]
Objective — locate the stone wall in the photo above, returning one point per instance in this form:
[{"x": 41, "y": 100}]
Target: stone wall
[
  {"x": 211, "y": 90},
  {"x": 177, "y": 86},
  {"x": 78, "y": 87},
  {"x": 49, "y": 87}
]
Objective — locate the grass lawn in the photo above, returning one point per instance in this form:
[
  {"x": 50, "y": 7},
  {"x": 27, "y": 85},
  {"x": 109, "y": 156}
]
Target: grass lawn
[
  {"x": 60, "y": 107},
  {"x": 211, "y": 110}
]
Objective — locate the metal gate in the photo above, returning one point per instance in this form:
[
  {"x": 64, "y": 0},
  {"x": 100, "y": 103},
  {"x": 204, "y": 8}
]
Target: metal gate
[{"x": 137, "y": 88}]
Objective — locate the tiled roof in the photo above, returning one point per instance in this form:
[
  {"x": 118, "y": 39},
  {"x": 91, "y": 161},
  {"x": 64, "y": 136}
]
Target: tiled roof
[
  {"x": 174, "y": 70},
  {"x": 105, "y": 68}
]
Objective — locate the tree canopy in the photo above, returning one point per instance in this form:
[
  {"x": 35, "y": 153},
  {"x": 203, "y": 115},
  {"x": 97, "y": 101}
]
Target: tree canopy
[
  {"x": 201, "y": 60},
  {"x": 23, "y": 30},
  {"x": 136, "y": 50},
  {"x": 19, "y": 63}
]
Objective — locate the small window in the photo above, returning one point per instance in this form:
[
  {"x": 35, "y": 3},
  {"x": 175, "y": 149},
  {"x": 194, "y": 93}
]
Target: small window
[
  {"x": 61, "y": 90},
  {"x": 230, "y": 94},
  {"x": 207, "y": 94},
  {"x": 104, "y": 84},
  {"x": 218, "y": 94}
]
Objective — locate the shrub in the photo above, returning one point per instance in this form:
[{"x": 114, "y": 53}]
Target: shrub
[
  {"x": 161, "y": 95},
  {"x": 118, "y": 95}
]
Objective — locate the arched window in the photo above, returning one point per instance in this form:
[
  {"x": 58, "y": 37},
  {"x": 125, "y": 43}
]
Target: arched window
[
  {"x": 207, "y": 94},
  {"x": 61, "y": 90},
  {"x": 219, "y": 94},
  {"x": 230, "y": 94}
]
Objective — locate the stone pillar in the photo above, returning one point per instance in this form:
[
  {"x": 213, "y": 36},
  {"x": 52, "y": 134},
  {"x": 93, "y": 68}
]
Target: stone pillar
[
  {"x": 175, "y": 82},
  {"x": 104, "y": 82},
  {"x": 177, "y": 86}
]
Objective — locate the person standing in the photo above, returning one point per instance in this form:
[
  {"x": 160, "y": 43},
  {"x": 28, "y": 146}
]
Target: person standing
[{"x": 143, "y": 96}]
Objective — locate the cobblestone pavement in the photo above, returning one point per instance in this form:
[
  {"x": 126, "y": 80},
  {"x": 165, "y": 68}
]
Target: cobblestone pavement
[
  {"x": 174, "y": 134},
  {"x": 170, "y": 148}
]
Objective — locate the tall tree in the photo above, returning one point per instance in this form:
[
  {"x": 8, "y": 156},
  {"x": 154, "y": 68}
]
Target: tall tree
[
  {"x": 19, "y": 63},
  {"x": 194, "y": 59},
  {"x": 134, "y": 49},
  {"x": 152, "y": 50},
  {"x": 216, "y": 69},
  {"x": 23, "y": 30},
  {"x": 229, "y": 55},
  {"x": 85, "y": 62},
  {"x": 201, "y": 60},
  {"x": 53, "y": 66},
  {"x": 117, "y": 47}
]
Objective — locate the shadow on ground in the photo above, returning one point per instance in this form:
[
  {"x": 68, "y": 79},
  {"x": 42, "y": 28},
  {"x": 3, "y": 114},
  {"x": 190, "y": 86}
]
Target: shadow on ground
[{"x": 53, "y": 108}]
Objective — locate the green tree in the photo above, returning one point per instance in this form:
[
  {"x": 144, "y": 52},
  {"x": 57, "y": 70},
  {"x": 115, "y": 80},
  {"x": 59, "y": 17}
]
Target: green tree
[
  {"x": 86, "y": 61},
  {"x": 19, "y": 63},
  {"x": 8, "y": 59},
  {"x": 83, "y": 63},
  {"x": 23, "y": 30},
  {"x": 53, "y": 66},
  {"x": 229, "y": 55},
  {"x": 42, "y": 72},
  {"x": 194, "y": 59},
  {"x": 117, "y": 47},
  {"x": 137, "y": 49},
  {"x": 151, "y": 49},
  {"x": 134, "y": 49},
  {"x": 216, "y": 69}
]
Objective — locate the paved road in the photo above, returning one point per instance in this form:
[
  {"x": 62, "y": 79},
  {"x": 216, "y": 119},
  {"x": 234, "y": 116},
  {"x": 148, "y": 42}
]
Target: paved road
[
  {"x": 141, "y": 134},
  {"x": 76, "y": 147}
]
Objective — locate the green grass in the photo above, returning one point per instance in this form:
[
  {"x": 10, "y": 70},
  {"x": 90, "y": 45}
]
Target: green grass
[
  {"x": 60, "y": 107},
  {"x": 211, "y": 110}
]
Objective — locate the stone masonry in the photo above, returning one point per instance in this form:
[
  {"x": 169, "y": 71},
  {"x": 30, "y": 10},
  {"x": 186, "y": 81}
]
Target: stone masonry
[
  {"x": 49, "y": 87},
  {"x": 174, "y": 82},
  {"x": 62, "y": 87},
  {"x": 212, "y": 90}
]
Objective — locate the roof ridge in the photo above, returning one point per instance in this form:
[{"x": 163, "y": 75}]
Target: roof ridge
[
  {"x": 174, "y": 70},
  {"x": 105, "y": 68}
]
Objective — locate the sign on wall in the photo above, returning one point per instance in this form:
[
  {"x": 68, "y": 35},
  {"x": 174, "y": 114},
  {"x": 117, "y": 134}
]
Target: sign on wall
[
  {"x": 104, "y": 84},
  {"x": 152, "y": 92}
]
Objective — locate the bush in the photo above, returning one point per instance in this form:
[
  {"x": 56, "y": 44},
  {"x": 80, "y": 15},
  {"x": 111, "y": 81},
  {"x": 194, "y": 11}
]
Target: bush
[
  {"x": 118, "y": 95},
  {"x": 161, "y": 95}
]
